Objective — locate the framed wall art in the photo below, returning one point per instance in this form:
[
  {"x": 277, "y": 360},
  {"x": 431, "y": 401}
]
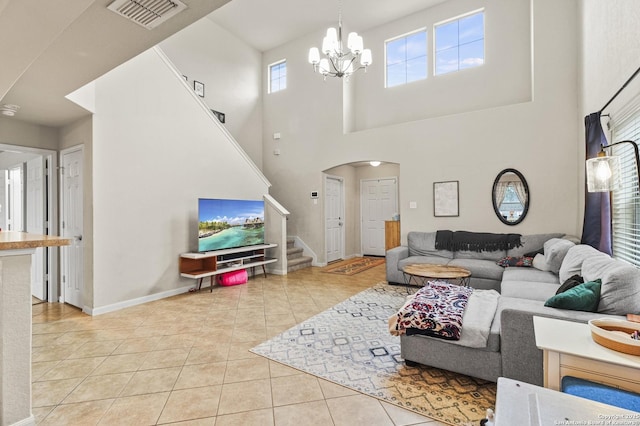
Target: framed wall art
[
  {"x": 446, "y": 199},
  {"x": 199, "y": 88}
]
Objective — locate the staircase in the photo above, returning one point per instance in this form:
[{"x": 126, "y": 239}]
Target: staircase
[{"x": 295, "y": 259}]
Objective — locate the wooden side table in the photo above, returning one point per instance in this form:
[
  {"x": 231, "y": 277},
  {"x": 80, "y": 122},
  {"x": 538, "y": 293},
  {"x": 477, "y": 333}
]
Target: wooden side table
[
  {"x": 391, "y": 234},
  {"x": 569, "y": 350},
  {"x": 422, "y": 272}
]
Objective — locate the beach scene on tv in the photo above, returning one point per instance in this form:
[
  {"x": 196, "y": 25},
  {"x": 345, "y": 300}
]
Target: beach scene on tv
[{"x": 224, "y": 224}]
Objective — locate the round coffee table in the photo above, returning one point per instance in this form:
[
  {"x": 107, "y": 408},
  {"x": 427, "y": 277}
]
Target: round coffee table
[{"x": 422, "y": 272}]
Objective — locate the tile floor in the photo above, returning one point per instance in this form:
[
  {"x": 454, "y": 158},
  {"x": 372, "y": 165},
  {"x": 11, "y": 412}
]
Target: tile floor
[{"x": 185, "y": 360}]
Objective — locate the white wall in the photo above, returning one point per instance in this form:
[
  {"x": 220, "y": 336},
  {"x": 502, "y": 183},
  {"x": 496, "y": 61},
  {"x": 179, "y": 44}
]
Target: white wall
[
  {"x": 504, "y": 79},
  {"x": 610, "y": 52},
  {"x": 230, "y": 70},
  {"x": 156, "y": 149},
  {"x": 16, "y": 132},
  {"x": 537, "y": 137}
]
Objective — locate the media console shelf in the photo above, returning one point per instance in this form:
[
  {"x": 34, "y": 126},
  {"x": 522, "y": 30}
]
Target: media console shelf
[{"x": 209, "y": 264}]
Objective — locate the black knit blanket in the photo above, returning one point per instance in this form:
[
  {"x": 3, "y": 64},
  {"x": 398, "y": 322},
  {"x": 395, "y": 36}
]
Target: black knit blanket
[{"x": 476, "y": 241}]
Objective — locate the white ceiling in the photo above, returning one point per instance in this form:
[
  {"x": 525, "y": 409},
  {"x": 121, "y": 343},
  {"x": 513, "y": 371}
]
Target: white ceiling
[
  {"x": 268, "y": 24},
  {"x": 51, "y": 48}
]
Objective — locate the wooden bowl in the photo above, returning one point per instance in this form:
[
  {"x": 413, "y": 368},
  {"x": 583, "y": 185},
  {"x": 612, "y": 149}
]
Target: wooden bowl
[{"x": 603, "y": 333}]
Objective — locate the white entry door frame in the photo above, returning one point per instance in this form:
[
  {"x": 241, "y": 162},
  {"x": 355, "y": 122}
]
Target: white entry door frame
[
  {"x": 35, "y": 183},
  {"x": 50, "y": 214},
  {"x": 71, "y": 226},
  {"x": 378, "y": 203},
  {"x": 334, "y": 217}
]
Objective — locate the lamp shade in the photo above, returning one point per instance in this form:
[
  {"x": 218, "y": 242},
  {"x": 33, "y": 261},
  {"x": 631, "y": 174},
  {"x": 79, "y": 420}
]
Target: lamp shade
[
  {"x": 603, "y": 174},
  {"x": 365, "y": 58},
  {"x": 314, "y": 55},
  {"x": 323, "y": 67}
]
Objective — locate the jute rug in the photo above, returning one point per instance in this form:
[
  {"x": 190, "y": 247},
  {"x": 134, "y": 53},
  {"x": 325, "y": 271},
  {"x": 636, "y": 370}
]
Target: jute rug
[
  {"x": 353, "y": 266},
  {"x": 349, "y": 344}
]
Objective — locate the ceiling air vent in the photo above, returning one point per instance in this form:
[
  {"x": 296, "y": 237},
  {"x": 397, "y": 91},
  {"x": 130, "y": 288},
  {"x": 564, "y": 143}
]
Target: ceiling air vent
[{"x": 147, "y": 13}]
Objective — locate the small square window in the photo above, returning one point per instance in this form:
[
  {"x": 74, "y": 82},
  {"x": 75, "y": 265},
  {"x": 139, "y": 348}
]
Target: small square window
[
  {"x": 406, "y": 59},
  {"x": 459, "y": 44},
  {"x": 278, "y": 76}
]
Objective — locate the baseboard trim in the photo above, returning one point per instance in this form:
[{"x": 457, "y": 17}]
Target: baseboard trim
[
  {"x": 134, "y": 302},
  {"x": 29, "y": 421}
]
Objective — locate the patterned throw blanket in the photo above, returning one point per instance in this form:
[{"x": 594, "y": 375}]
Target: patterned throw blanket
[{"x": 435, "y": 310}]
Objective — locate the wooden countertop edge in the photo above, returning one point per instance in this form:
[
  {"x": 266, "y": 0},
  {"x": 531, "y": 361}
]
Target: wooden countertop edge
[{"x": 12, "y": 240}]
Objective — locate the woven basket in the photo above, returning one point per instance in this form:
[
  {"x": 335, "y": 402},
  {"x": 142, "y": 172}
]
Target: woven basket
[{"x": 602, "y": 333}]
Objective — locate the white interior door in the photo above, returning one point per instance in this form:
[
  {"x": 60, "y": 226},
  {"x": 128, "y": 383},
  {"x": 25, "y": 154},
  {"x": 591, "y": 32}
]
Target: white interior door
[
  {"x": 334, "y": 218},
  {"x": 35, "y": 188},
  {"x": 378, "y": 202},
  {"x": 71, "y": 218}
]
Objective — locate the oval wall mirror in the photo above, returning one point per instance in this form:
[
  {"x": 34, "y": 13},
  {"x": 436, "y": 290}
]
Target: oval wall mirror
[{"x": 510, "y": 196}]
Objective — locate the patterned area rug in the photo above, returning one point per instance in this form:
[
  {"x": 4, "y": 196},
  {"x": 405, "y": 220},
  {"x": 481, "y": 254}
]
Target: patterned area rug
[
  {"x": 353, "y": 266},
  {"x": 350, "y": 345}
]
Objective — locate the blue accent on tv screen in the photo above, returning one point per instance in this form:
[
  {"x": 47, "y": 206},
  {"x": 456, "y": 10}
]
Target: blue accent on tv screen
[{"x": 224, "y": 224}]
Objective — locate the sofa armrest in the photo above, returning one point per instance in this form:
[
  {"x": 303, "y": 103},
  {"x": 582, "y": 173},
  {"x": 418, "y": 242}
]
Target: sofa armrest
[
  {"x": 394, "y": 256},
  {"x": 521, "y": 358}
]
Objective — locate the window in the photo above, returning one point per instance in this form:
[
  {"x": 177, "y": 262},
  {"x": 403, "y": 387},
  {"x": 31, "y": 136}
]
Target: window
[
  {"x": 625, "y": 201},
  {"x": 459, "y": 44},
  {"x": 406, "y": 59},
  {"x": 278, "y": 76}
]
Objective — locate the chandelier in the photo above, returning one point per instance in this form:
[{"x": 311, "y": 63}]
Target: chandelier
[{"x": 337, "y": 62}]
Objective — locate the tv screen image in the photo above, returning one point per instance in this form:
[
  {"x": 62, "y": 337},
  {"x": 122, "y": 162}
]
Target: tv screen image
[{"x": 224, "y": 224}]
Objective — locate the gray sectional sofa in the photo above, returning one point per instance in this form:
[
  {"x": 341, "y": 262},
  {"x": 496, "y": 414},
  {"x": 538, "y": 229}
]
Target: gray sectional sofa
[{"x": 511, "y": 350}]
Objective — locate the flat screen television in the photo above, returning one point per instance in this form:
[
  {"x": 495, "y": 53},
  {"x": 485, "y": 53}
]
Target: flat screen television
[{"x": 225, "y": 224}]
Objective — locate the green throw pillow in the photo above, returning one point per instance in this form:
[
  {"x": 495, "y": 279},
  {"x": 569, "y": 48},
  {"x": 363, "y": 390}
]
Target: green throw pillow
[{"x": 583, "y": 297}]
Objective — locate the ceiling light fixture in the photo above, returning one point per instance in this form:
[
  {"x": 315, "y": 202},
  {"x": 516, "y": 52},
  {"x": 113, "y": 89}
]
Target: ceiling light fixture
[
  {"x": 9, "y": 109},
  {"x": 374, "y": 163},
  {"x": 337, "y": 62}
]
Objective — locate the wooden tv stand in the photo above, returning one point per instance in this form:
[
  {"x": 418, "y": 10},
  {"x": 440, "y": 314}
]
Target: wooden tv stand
[{"x": 209, "y": 264}]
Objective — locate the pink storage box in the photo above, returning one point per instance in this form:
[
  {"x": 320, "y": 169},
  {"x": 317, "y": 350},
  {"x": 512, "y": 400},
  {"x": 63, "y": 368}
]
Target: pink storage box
[{"x": 233, "y": 278}]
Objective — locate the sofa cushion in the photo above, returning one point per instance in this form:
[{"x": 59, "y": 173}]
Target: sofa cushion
[
  {"x": 555, "y": 250},
  {"x": 424, "y": 244},
  {"x": 480, "y": 268},
  {"x": 530, "y": 274},
  {"x": 530, "y": 290},
  {"x": 583, "y": 297},
  {"x": 539, "y": 262},
  {"x": 620, "y": 293},
  {"x": 531, "y": 243},
  {"x": 572, "y": 262},
  {"x": 480, "y": 255}
]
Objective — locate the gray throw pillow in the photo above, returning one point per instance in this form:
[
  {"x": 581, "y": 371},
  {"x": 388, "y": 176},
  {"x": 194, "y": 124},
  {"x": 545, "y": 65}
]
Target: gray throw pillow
[
  {"x": 555, "y": 250},
  {"x": 575, "y": 257},
  {"x": 620, "y": 292}
]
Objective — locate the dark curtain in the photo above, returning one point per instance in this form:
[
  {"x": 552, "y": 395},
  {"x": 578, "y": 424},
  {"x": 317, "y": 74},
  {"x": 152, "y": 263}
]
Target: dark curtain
[{"x": 596, "y": 230}]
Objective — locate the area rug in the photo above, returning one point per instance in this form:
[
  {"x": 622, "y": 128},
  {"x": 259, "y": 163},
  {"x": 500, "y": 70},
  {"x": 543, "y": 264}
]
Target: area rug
[
  {"x": 354, "y": 266},
  {"x": 349, "y": 344}
]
